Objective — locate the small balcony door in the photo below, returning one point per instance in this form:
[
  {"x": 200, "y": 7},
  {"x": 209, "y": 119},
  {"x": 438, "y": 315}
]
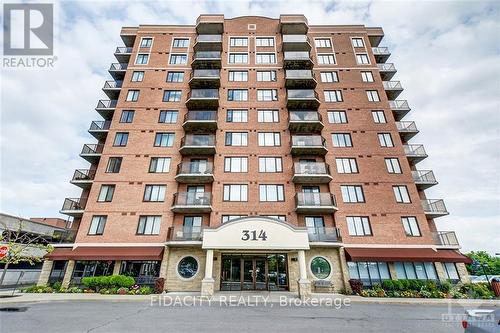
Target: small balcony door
[
  {"x": 198, "y": 166},
  {"x": 195, "y": 194},
  {"x": 311, "y": 195}
]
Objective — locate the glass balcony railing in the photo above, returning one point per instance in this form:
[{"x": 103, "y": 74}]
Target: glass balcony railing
[
  {"x": 195, "y": 168},
  {"x": 95, "y": 148},
  {"x": 74, "y": 204},
  {"x": 434, "y": 207},
  {"x": 386, "y": 67},
  {"x": 381, "y": 50},
  {"x": 406, "y": 126},
  {"x": 311, "y": 168},
  {"x": 112, "y": 84},
  {"x": 392, "y": 85},
  {"x": 198, "y": 140},
  {"x": 201, "y": 116},
  {"x": 185, "y": 233},
  {"x": 83, "y": 175},
  {"x": 118, "y": 67},
  {"x": 324, "y": 234},
  {"x": 207, "y": 55},
  {"x": 209, "y": 39},
  {"x": 106, "y": 104},
  {"x": 315, "y": 200},
  {"x": 205, "y": 74},
  {"x": 123, "y": 50},
  {"x": 414, "y": 150},
  {"x": 295, "y": 39},
  {"x": 302, "y": 94},
  {"x": 446, "y": 238},
  {"x": 100, "y": 125},
  {"x": 424, "y": 176},
  {"x": 308, "y": 141},
  {"x": 299, "y": 74},
  {"x": 299, "y": 116},
  {"x": 399, "y": 105},
  {"x": 296, "y": 55},
  {"x": 192, "y": 199},
  {"x": 203, "y": 94}
]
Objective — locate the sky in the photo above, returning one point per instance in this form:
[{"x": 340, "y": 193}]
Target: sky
[{"x": 447, "y": 54}]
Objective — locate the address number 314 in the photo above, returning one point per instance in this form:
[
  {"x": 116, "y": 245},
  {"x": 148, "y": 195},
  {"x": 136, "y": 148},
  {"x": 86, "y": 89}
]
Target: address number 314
[{"x": 253, "y": 235}]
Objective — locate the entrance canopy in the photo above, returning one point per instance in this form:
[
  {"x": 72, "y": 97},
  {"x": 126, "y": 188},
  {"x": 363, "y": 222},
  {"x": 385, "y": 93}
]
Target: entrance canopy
[
  {"x": 106, "y": 253},
  {"x": 256, "y": 233},
  {"x": 404, "y": 254}
]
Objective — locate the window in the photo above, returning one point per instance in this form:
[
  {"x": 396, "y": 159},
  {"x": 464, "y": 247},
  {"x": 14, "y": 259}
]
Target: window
[
  {"x": 346, "y": 165},
  {"x": 227, "y": 218},
  {"x": 187, "y": 267},
  {"x": 239, "y": 76},
  {"x": 450, "y": 269},
  {"x": 320, "y": 268},
  {"x": 372, "y": 96},
  {"x": 127, "y": 116},
  {"x": 168, "y": 116},
  {"x": 97, "y": 224},
  {"x": 411, "y": 226},
  {"x": 146, "y": 42},
  {"x": 178, "y": 59},
  {"x": 192, "y": 224},
  {"x": 142, "y": 59},
  {"x": 114, "y": 165},
  {"x": 235, "y": 192},
  {"x": 268, "y": 116},
  {"x": 401, "y": 194},
  {"x": 172, "y": 95},
  {"x": 322, "y": 42},
  {"x": 358, "y": 226},
  {"x": 175, "y": 76},
  {"x": 181, "y": 42},
  {"x": 357, "y": 42},
  {"x": 121, "y": 139},
  {"x": 367, "y": 76},
  {"x": 272, "y": 193},
  {"x": 238, "y": 41},
  {"x": 264, "y": 41},
  {"x": 266, "y": 76},
  {"x": 137, "y": 76},
  {"x": 269, "y": 139},
  {"x": 379, "y": 117},
  {"x": 278, "y": 217},
  {"x": 362, "y": 59},
  {"x": 238, "y": 58},
  {"x": 132, "y": 95},
  {"x": 106, "y": 193},
  {"x": 369, "y": 273},
  {"x": 329, "y": 77},
  {"x": 392, "y": 165},
  {"x": 326, "y": 59},
  {"x": 154, "y": 193},
  {"x": 265, "y": 58},
  {"x": 237, "y": 95},
  {"x": 352, "y": 193},
  {"x": 164, "y": 140},
  {"x": 237, "y": 116},
  {"x": 236, "y": 164},
  {"x": 333, "y": 95},
  {"x": 385, "y": 140},
  {"x": 337, "y": 117},
  {"x": 159, "y": 164},
  {"x": 342, "y": 140},
  {"x": 266, "y": 95},
  {"x": 149, "y": 225},
  {"x": 315, "y": 224},
  {"x": 237, "y": 139},
  {"x": 270, "y": 164},
  {"x": 415, "y": 270}
]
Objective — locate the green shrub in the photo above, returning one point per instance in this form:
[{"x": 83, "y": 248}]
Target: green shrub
[
  {"x": 388, "y": 285},
  {"x": 477, "y": 290},
  {"x": 34, "y": 289},
  {"x": 445, "y": 286},
  {"x": 57, "y": 286},
  {"x": 112, "y": 281},
  {"x": 145, "y": 290}
]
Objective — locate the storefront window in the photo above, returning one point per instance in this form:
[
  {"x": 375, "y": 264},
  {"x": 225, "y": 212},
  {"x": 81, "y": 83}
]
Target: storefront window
[
  {"x": 188, "y": 267},
  {"x": 320, "y": 267},
  {"x": 415, "y": 270},
  {"x": 451, "y": 271},
  {"x": 144, "y": 272},
  {"x": 369, "y": 273},
  {"x": 91, "y": 268}
]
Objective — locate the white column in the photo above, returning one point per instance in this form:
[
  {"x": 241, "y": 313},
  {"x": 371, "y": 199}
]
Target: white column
[
  {"x": 302, "y": 265},
  {"x": 303, "y": 283},
  {"x": 209, "y": 264},
  {"x": 208, "y": 282}
]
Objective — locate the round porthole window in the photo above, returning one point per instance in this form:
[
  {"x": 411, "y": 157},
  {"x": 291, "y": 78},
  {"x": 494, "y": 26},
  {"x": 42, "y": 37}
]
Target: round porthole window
[
  {"x": 320, "y": 267},
  {"x": 187, "y": 267}
]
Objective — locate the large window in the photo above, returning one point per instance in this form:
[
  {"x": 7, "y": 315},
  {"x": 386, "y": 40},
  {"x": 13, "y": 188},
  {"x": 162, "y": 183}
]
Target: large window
[
  {"x": 372, "y": 96},
  {"x": 379, "y": 117},
  {"x": 172, "y": 95},
  {"x": 187, "y": 267},
  {"x": 146, "y": 42},
  {"x": 97, "y": 224},
  {"x": 181, "y": 42},
  {"x": 352, "y": 193},
  {"x": 268, "y": 116},
  {"x": 238, "y": 41},
  {"x": 237, "y": 116},
  {"x": 357, "y": 42},
  {"x": 271, "y": 192},
  {"x": 238, "y": 76},
  {"x": 264, "y": 41},
  {"x": 237, "y": 95},
  {"x": 415, "y": 270},
  {"x": 392, "y": 164},
  {"x": 266, "y": 76},
  {"x": 142, "y": 59},
  {"x": 269, "y": 139},
  {"x": 358, "y": 226},
  {"x": 265, "y": 58},
  {"x": 178, "y": 59},
  {"x": 369, "y": 273},
  {"x": 326, "y": 59},
  {"x": 401, "y": 194},
  {"x": 236, "y": 164},
  {"x": 175, "y": 76},
  {"x": 367, "y": 76},
  {"x": 114, "y": 165},
  {"x": 132, "y": 96},
  {"x": 164, "y": 139},
  {"x": 322, "y": 42},
  {"x": 329, "y": 77},
  {"x": 106, "y": 193},
  {"x": 337, "y": 117},
  {"x": 333, "y": 95},
  {"x": 270, "y": 164},
  {"x": 238, "y": 58},
  {"x": 362, "y": 59},
  {"x": 137, "y": 76},
  {"x": 267, "y": 95},
  {"x": 149, "y": 225},
  {"x": 238, "y": 139},
  {"x": 410, "y": 225},
  {"x": 155, "y": 193},
  {"x": 168, "y": 116},
  {"x": 450, "y": 269},
  {"x": 346, "y": 165},
  {"x": 159, "y": 165},
  {"x": 127, "y": 116},
  {"x": 342, "y": 140},
  {"x": 385, "y": 140},
  {"x": 235, "y": 192},
  {"x": 321, "y": 268}
]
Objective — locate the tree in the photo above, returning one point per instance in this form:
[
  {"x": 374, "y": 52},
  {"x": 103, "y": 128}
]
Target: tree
[
  {"x": 23, "y": 247},
  {"x": 488, "y": 264}
]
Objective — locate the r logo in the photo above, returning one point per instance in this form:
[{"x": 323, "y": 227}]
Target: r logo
[{"x": 28, "y": 29}]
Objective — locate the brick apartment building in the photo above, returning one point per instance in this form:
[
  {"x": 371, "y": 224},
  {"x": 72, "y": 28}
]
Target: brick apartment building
[{"x": 255, "y": 154}]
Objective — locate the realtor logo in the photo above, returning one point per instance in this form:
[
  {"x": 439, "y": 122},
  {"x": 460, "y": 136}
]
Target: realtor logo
[{"x": 28, "y": 29}]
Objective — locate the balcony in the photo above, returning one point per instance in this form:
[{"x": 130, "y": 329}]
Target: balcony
[
  {"x": 406, "y": 129},
  {"x": 315, "y": 203},
  {"x": 83, "y": 178},
  {"x": 381, "y": 54},
  {"x": 92, "y": 152},
  {"x": 207, "y": 60},
  {"x": 375, "y": 35},
  {"x": 185, "y": 234},
  {"x": 386, "y": 71},
  {"x": 201, "y": 121},
  {"x": 205, "y": 78},
  {"x": 302, "y": 99},
  {"x": 308, "y": 145},
  {"x": 300, "y": 78},
  {"x": 208, "y": 43},
  {"x": 188, "y": 203},
  {"x": 293, "y": 24},
  {"x": 322, "y": 234},
  {"x": 296, "y": 43},
  {"x": 446, "y": 239},
  {"x": 297, "y": 60},
  {"x": 392, "y": 89},
  {"x": 195, "y": 173},
  {"x": 122, "y": 54},
  {"x": 106, "y": 108},
  {"x": 210, "y": 24},
  {"x": 399, "y": 108},
  {"x": 415, "y": 153},
  {"x": 311, "y": 173},
  {"x": 99, "y": 129},
  {"x": 203, "y": 99},
  {"x": 304, "y": 121},
  {"x": 198, "y": 144},
  {"x": 112, "y": 89},
  {"x": 424, "y": 178},
  {"x": 434, "y": 208},
  {"x": 73, "y": 206},
  {"x": 118, "y": 70}
]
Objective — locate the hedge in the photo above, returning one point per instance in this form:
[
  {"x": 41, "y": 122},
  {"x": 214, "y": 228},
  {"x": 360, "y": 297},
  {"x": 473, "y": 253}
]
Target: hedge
[{"x": 111, "y": 281}]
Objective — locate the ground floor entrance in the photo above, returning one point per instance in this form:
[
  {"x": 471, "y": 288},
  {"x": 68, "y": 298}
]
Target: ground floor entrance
[{"x": 254, "y": 272}]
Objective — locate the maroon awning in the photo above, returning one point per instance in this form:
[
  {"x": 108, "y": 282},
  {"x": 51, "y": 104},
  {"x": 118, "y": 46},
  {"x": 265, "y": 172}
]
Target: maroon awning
[
  {"x": 404, "y": 254},
  {"x": 107, "y": 253}
]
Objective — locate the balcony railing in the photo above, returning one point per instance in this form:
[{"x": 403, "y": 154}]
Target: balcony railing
[
  {"x": 203, "y": 98},
  {"x": 83, "y": 175},
  {"x": 387, "y": 71},
  {"x": 434, "y": 207},
  {"x": 315, "y": 202},
  {"x": 446, "y": 238},
  {"x": 424, "y": 178},
  {"x": 415, "y": 153},
  {"x": 123, "y": 50},
  {"x": 118, "y": 66},
  {"x": 209, "y": 38},
  {"x": 305, "y": 116},
  {"x": 100, "y": 125},
  {"x": 205, "y": 78},
  {"x": 203, "y": 144},
  {"x": 324, "y": 234},
  {"x": 111, "y": 84},
  {"x": 407, "y": 129},
  {"x": 311, "y": 173},
  {"x": 208, "y": 43},
  {"x": 74, "y": 206},
  {"x": 188, "y": 202},
  {"x": 399, "y": 108},
  {"x": 308, "y": 145},
  {"x": 305, "y": 121},
  {"x": 195, "y": 168},
  {"x": 302, "y": 99},
  {"x": 300, "y": 78},
  {"x": 182, "y": 233},
  {"x": 201, "y": 116},
  {"x": 392, "y": 89},
  {"x": 296, "y": 43},
  {"x": 106, "y": 104},
  {"x": 92, "y": 152},
  {"x": 207, "y": 60},
  {"x": 297, "y": 60},
  {"x": 381, "y": 54}
]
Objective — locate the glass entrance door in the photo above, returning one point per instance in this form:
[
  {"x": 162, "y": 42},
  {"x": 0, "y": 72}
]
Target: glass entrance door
[{"x": 260, "y": 275}]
